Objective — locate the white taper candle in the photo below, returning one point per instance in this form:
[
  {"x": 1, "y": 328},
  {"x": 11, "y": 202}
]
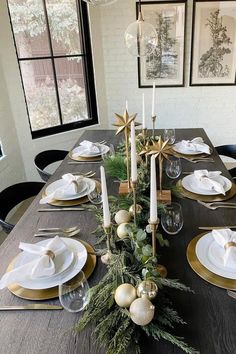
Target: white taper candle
[
  {"x": 133, "y": 154},
  {"x": 153, "y": 192},
  {"x": 105, "y": 204},
  {"x": 126, "y": 105},
  {"x": 144, "y": 116},
  {"x": 153, "y": 99}
]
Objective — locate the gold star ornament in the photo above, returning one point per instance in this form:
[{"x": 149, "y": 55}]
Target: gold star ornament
[{"x": 123, "y": 122}]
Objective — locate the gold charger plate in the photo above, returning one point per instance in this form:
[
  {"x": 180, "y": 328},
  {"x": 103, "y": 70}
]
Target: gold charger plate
[
  {"x": 72, "y": 202},
  {"x": 207, "y": 198},
  {"x": 203, "y": 272},
  {"x": 194, "y": 156},
  {"x": 46, "y": 294},
  {"x": 80, "y": 158}
]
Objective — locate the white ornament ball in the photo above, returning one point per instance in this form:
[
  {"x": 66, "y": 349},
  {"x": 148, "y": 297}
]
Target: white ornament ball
[
  {"x": 106, "y": 258},
  {"x": 125, "y": 294},
  {"x": 122, "y": 216},
  {"x": 123, "y": 230},
  {"x": 142, "y": 311}
]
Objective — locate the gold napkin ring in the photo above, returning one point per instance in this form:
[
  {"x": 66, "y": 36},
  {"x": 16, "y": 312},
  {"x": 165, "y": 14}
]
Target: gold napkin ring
[
  {"x": 51, "y": 255},
  {"x": 229, "y": 244}
]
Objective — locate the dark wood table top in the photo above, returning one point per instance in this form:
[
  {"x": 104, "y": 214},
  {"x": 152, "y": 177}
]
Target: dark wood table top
[{"x": 209, "y": 313}]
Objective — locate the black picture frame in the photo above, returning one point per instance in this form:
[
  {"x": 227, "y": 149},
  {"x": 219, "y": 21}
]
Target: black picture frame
[
  {"x": 213, "y": 47},
  {"x": 172, "y": 62}
]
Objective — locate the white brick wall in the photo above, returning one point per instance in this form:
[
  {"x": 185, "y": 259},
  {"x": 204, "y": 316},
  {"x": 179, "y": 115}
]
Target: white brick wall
[{"x": 213, "y": 108}]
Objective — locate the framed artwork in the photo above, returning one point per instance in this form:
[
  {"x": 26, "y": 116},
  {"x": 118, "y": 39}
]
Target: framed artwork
[
  {"x": 165, "y": 65},
  {"x": 213, "y": 55}
]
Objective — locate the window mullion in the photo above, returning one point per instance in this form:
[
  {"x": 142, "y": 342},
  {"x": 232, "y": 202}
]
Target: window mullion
[{"x": 53, "y": 62}]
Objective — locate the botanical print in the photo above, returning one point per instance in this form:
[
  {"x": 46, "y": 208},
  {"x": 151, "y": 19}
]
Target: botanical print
[
  {"x": 165, "y": 64},
  {"x": 214, "y": 43},
  {"x": 212, "y": 62}
]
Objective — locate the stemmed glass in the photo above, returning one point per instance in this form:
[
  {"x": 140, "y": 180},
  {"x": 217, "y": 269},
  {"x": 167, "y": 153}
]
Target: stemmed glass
[
  {"x": 74, "y": 294},
  {"x": 95, "y": 197},
  {"x": 169, "y": 134},
  {"x": 173, "y": 167},
  {"x": 109, "y": 153},
  {"x": 172, "y": 218}
]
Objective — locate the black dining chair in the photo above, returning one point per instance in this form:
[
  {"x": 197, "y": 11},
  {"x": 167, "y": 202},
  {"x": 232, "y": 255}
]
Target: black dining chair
[
  {"x": 46, "y": 158},
  {"x": 12, "y": 196},
  {"x": 229, "y": 151}
]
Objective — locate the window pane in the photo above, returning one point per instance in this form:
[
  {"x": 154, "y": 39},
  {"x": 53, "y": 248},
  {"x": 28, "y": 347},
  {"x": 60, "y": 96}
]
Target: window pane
[
  {"x": 71, "y": 87},
  {"x": 40, "y": 93},
  {"x": 29, "y": 27},
  {"x": 64, "y": 29}
]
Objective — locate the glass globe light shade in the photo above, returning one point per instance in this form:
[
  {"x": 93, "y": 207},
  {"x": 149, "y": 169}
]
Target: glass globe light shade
[
  {"x": 100, "y": 2},
  {"x": 140, "y": 38}
]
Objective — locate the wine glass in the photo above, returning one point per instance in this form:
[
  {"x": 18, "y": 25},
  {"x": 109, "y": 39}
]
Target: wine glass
[
  {"x": 74, "y": 294},
  {"x": 173, "y": 167},
  {"x": 95, "y": 197},
  {"x": 172, "y": 218},
  {"x": 169, "y": 134},
  {"x": 109, "y": 153}
]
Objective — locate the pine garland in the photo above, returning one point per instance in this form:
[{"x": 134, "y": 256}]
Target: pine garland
[{"x": 131, "y": 261}]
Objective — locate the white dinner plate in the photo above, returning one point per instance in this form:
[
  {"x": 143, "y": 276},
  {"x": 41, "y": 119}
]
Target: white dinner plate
[
  {"x": 191, "y": 184},
  {"x": 210, "y": 255},
  {"x": 103, "y": 150},
  {"x": 79, "y": 260},
  {"x": 180, "y": 149},
  {"x": 89, "y": 185}
]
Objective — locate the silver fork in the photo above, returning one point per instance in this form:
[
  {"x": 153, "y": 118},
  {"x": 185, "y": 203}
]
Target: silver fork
[
  {"x": 195, "y": 160},
  {"x": 231, "y": 294},
  {"x": 216, "y": 205}
]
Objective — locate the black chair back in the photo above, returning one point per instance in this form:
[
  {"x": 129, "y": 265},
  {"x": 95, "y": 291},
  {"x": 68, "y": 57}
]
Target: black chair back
[
  {"x": 229, "y": 151},
  {"x": 12, "y": 196},
  {"x": 45, "y": 158}
]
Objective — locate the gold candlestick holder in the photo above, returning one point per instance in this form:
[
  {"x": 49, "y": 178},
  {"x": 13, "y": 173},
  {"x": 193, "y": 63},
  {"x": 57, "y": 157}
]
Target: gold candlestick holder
[
  {"x": 127, "y": 156},
  {"x": 107, "y": 230},
  {"x": 153, "y": 126},
  {"x": 134, "y": 188},
  {"x": 160, "y": 268}
]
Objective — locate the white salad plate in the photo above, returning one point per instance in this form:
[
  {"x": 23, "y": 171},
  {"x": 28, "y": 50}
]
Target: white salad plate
[
  {"x": 88, "y": 186},
  {"x": 210, "y": 255},
  {"x": 103, "y": 150},
  {"x": 182, "y": 150},
  {"x": 77, "y": 261},
  {"x": 191, "y": 184}
]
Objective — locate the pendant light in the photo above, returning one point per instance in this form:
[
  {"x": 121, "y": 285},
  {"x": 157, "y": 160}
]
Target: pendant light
[
  {"x": 140, "y": 37},
  {"x": 100, "y": 2}
]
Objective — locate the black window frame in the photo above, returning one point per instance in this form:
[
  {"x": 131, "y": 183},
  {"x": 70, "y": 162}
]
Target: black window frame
[{"x": 86, "y": 49}]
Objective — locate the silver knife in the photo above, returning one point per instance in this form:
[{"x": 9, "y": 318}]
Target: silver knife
[
  {"x": 31, "y": 307},
  {"x": 63, "y": 209},
  {"x": 216, "y": 227}
]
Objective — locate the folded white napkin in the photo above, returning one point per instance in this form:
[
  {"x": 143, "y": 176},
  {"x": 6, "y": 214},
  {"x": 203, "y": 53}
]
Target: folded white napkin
[
  {"x": 196, "y": 144},
  {"x": 208, "y": 180},
  {"x": 226, "y": 238},
  {"x": 42, "y": 266},
  {"x": 86, "y": 147},
  {"x": 72, "y": 185}
]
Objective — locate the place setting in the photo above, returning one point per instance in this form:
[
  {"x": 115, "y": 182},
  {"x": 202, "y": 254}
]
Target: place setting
[
  {"x": 194, "y": 150},
  {"x": 88, "y": 151},
  {"x": 69, "y": 191},
  {"x": 212, "y": 256},
  {"x": 42, "y": 268},
  {"x": 206, "y": 186}
]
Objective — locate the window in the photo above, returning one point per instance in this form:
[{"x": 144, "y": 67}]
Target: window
[{"x": 54, "y": 55}]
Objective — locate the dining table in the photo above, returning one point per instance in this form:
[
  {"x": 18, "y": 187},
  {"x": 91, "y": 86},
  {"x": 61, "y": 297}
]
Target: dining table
[{"x": 208, "y": 311}]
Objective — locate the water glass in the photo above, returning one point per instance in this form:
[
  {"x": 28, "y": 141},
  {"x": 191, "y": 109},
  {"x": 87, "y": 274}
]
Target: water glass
[
  {"x": 95, "y": 197},
  {"x": 172, "y": 218},
  {"x": 173, "y": 167},
  {"x": 169, "y": 134},
  {"x": 109, "y": 153},
  {"x": 74, "y": 294}
]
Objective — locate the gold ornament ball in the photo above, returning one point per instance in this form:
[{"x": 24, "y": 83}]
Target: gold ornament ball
[
  {"x": 142, "y": 311},
  {"x": 125, "y": 294},
  {"x": 122, "y": 216},
  {"x": 138, "y": 209},
  {"x": 123, "y": 230},
  {"x": 148, "y": 289},
  {"x": 161, "y": 270}
]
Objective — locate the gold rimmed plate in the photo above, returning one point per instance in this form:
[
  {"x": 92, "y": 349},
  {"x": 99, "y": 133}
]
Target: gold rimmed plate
[
  {"x": 46, "y": 294},
  {"x": 203, "y": 272},
  {"x": 73, "y": 202},
  {"x": 206, "y": 198},
  {"x": 81, "y": 158}
]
